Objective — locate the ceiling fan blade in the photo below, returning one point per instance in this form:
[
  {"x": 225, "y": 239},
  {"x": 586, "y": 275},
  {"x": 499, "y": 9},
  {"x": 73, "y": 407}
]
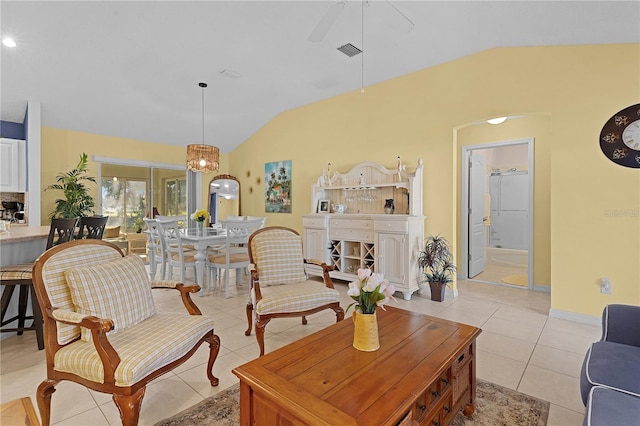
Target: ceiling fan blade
[
  {"x": 327, "y": 21},
  {"x": 400, "y": 22}
]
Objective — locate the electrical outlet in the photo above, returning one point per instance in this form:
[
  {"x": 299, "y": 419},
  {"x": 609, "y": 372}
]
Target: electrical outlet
[{"x": 605, "y": 286}]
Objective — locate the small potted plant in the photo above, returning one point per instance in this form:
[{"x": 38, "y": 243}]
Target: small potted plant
[
  {"x": 436, "y": 263},
  {"x": 138, "y": 224}
]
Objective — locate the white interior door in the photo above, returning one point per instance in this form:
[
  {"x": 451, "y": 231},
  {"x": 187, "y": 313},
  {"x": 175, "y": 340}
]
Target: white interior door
[{"x": 477, "y": 229}]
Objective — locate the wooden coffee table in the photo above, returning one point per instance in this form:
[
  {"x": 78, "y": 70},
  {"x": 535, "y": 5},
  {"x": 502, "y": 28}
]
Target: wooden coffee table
[{"x": 423, "y": 374}]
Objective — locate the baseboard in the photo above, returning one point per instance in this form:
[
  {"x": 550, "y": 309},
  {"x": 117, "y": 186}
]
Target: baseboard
[
  {"x": 451, "y": 293},
  {"x": 425, "y": 291},
  {"x": 573, "y": 316},
  {"x": 542, "y": 288}
]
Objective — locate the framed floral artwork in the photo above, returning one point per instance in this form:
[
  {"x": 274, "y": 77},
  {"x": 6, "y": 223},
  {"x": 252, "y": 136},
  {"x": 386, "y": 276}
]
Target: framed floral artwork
[{"x": 277, "y": 187}]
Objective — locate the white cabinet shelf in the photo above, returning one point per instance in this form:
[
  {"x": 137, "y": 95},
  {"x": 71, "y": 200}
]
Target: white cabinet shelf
[
  {"x": 366, "y": 187},
  {"x": 365, "y": 237}
]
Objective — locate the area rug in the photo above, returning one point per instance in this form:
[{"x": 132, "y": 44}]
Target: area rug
[
  {"x": 519, "y": 279},
  {"x": 495, "y": 405}
]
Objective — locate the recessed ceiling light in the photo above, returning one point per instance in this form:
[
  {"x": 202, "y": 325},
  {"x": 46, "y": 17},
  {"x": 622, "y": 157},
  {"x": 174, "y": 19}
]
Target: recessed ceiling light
[
  {"x": 497, "y": 120},
  {"x": 9, "y": 42}
]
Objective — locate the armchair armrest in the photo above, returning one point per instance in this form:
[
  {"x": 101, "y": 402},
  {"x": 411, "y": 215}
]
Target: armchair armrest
[
  {"x": 621, "y": 324},
  {"x": 325, "y": 270},
  {"x": 184, "y": 293},
  {"x": 99, "y": 328},
  {"x": 69, "y": 317}
]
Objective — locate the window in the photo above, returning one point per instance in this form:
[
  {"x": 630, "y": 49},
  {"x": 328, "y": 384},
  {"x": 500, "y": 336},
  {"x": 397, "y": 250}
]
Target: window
[
  {"x": 124, "y": 201},
  {"x": 132, "y": 190},
  {"x": 175, "y": 197}
]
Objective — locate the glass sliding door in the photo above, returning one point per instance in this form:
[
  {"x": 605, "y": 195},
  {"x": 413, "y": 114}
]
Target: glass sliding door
[
  {"x": 169, "y": 192},
  {"x": 124, "y": 192},
  {"x": 132, "y": 192}
]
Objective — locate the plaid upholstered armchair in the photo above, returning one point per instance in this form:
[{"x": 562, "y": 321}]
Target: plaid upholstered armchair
[
  {"x": 279, "y": 285},
  {"x": 102, "y": 329}
]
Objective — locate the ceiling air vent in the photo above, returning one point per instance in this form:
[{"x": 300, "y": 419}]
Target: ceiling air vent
[
  {"x": 350, "y": 50},
  {"x": 230, "y": 74}
]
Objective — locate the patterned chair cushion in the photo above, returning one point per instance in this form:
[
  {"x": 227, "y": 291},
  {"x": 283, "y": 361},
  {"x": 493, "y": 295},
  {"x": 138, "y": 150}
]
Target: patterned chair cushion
[
  {"x": 58, "y": 291},
  {"x": 278, "y": 256},
  {"x": 143, "y": 348},
  {"x": 119, "y": 290},
  {"x": 21, "y": 271},
  {"x": 296, "y": 297}
]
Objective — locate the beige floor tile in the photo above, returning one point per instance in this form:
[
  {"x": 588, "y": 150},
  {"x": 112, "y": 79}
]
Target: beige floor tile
[
  {"x": 161, "y": 400},
  {"x": 593, "y": 332},
  {"x": 520, "y": 316},
  {"x": 499, "y": 370},
  {"x": 197, "y": 379},
  {"x": 560, "y": 416},
  {"x": 566, "y": 341},
  {"x": 92, "y": 417},
  {"x": 557, "y": 360},
  {"x": 233, "y": 338},
  {"x": 465, "y": 317},
  {"x": 508, "y": 347},
  {"x": 70, "y": 399},
  {"x": 20, "y": 383},
  {"x": 559, "y": 389},
  {"x": 528, "y": 332}
]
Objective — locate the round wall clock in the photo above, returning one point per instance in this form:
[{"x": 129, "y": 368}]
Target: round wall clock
[{"x": 620, "y": 137}]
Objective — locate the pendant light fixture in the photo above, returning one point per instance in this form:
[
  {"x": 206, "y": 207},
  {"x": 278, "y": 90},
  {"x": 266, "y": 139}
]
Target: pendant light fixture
[{"x": 201, "y": 157}]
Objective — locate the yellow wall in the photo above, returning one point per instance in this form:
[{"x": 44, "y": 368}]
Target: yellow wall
[
  {"x": 593, "y": 205},
  {"x": 61, "y": 150},
  {"x": 413, "y": 116}
]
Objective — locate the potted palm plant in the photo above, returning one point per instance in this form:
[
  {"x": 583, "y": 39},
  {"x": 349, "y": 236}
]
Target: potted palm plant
[
  {"x": 77, "y": 201},
  {"x": 436, "y": 263}
]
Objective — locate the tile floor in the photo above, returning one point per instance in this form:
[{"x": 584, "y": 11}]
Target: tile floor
[{"x": 520, "y": 348}]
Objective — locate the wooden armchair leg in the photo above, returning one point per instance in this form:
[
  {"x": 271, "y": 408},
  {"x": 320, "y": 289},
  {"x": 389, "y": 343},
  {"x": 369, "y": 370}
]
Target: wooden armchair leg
[
  {"x": 260, "y": 326},
  {"x": 339, "y": 313},
  {"x": 304, "y": 320},
  {"x": 43, "y": 398},
  {"x": 214, "y": 348},
  {"x": 129, "y": 406},
  {"x": 249, "y": 318}
]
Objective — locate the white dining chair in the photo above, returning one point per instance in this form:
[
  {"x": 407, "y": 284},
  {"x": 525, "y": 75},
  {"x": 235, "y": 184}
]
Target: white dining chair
[
  {"x": 263, "y": 219},
  {"x": 233, "y": 254},
  {"x": 176, "y": 254},
  {"x": 233, "y": 218},
  {"x": 155, "y": 249}
]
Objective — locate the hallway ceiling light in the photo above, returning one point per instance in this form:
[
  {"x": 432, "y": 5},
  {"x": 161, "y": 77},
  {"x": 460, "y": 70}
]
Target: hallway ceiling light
[
  {"x": 9, "y": 42},
  {"x": 497, "y": 120},
  {"x": 203, "y": 158}
]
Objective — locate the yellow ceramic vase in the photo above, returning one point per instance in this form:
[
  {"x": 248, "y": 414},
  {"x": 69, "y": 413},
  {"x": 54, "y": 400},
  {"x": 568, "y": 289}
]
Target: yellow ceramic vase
[{"x": 365, "y": 333}]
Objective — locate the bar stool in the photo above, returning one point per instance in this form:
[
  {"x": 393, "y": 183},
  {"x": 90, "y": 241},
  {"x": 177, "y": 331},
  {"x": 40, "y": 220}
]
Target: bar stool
[
  {"x": 93, "y": 226},
  {"x": 20, "y": 275}
]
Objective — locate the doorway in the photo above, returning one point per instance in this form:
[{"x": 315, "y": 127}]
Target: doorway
[{"x": 497, "y": 231}]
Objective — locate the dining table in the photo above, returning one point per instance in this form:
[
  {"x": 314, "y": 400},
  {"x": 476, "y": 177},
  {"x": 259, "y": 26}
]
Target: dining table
[{"x": 201, "y": 241}]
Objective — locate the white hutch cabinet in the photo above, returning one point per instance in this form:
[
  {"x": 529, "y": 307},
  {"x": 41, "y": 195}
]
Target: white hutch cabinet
[{"x": 364, "y": 236}]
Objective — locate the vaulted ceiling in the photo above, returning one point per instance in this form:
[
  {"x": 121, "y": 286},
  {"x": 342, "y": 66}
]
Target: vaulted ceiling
[{"x": 131, "y": 68}]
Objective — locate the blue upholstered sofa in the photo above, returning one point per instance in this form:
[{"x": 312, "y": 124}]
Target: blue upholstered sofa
[{"x": 610, "y": 377}]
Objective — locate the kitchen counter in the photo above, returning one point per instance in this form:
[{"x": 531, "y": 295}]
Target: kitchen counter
[
  {"x": 23, "y": 233},
  {"x": 22, "y": 244}
]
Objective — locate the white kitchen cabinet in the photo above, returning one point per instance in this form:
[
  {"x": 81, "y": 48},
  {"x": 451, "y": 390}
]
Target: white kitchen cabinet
[
  {"x": 364, "y": 236},
  {"x": 13, "y": 165}
]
